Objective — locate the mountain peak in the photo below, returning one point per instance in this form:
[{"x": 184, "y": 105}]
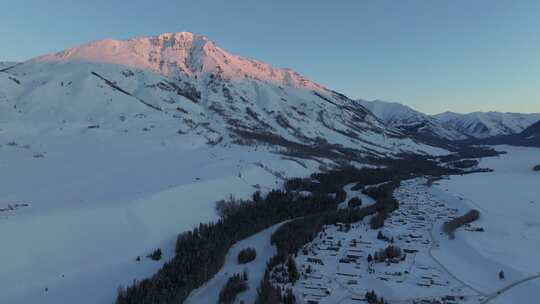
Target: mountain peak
[
  {"x": 182, "y": 53},
  {"x": 179, "y": 39}
]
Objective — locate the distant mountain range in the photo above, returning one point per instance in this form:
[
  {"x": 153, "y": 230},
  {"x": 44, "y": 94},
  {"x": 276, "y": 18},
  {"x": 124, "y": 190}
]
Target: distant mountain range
[
  {"x": 411, "y": 121},
  {"x": 528, "y": 137},
  {"x": 472, "y": 127},
  {"x": 488, "y": 124}
]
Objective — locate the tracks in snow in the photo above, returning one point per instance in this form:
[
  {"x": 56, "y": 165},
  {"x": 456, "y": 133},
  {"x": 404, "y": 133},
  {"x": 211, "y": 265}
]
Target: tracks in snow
[{"x": 508, "y": 287}]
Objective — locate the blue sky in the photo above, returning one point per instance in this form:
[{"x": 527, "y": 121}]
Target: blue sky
[{"x": 432, "y": 55}]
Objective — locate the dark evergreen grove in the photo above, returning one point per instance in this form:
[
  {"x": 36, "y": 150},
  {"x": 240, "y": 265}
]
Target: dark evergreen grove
[
  {"x": 155, "y": 255},
  {"x": 235, "y": 285},
  {"x": 293, "y": 235},
  {"x": 247, "y": 255},
  {"x": 354, "y": 202},
  {"x": 372, "y": 298},
  {"x": 268, "y": 293},
  {"x": 200, "y": 253},
  {"x": 390, "y": 252},
  {"x": 451, "y": 226},
  {"x": 536, "y": 168}
]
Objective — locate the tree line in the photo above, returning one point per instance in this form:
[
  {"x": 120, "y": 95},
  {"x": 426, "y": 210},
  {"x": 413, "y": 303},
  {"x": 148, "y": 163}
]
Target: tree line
[
  {"x": 200, "y": 253},
  {"x": 236, "y": 284}
]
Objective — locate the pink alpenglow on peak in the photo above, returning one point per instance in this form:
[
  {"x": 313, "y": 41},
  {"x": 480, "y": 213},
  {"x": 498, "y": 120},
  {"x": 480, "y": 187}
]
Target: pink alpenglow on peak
[{"x": 184, "y": 53}]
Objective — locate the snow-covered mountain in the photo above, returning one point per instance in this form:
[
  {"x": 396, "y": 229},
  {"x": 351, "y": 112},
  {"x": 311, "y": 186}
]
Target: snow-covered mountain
[
  {"x": 488, "y": 124},
  {"x": 411, "y": 121},
  {"x": 533, "y": 131},
  {"x": 186, "y": 83},
  {"x": 529, "y": 137},
  {"x": 117, "y": 146}
]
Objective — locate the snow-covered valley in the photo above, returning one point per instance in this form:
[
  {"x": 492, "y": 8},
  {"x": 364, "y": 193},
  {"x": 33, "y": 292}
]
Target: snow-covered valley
[
  {"x": 461, "y": 270},
  {"x": 93, "y": 203}
]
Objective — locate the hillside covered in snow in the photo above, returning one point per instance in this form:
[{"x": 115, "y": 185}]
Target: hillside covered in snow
[{"x": 186, "y": 84}]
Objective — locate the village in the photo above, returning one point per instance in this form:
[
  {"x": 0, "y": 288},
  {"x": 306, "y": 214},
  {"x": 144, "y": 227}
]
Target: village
[{"x": 345, "y": 262}]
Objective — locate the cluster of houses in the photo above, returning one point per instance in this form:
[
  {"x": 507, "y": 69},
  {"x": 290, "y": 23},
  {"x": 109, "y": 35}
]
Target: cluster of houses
[{"x": 335, "y": 265}]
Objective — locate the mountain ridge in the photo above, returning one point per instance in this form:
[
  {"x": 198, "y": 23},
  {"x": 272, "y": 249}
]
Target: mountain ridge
[
  {"x": 411, "y": 121},
  {"x": 182, "y": 52},
  {"x": 530, "y": 137},
  {"x": 450, "y": 125},
  {"x": 488, "y": 124}
]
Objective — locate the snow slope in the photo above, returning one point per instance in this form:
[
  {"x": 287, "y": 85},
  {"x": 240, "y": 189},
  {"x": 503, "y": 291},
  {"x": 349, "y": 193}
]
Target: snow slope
[
  {"x": 486, "y": 124},
  {"x": 96, "y": 201},
  {"x": 6, "y": 64},
  {"x": 411, "y": 121},
  {"x": 531, "y": 132}
]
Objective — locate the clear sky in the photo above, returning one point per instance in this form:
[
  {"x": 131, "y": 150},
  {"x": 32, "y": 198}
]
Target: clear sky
[{"x": 458, "y": 55}]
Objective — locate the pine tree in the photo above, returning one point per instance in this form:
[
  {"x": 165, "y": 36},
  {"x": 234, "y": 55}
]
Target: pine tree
[{"x": 292, "y": 270}]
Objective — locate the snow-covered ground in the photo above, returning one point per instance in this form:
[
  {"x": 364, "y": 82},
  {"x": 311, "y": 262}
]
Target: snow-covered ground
[
  {"x": 95, "y": 202},
  {"x": 509, "y": 203},
  {"x": 524, "y": 293},
  {"x": 78, "y": 206}
]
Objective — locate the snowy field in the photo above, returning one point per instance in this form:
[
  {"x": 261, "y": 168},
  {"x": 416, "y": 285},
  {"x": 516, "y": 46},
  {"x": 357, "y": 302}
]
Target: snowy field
[
  {"x": 509, "y": 203},
  {"x": 81, "y": 214}
]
